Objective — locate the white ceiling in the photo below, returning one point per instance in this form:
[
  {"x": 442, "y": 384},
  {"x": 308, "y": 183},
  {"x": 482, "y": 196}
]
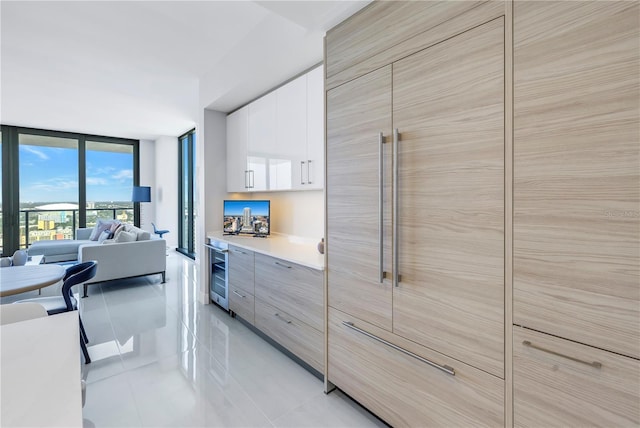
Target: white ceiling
[{"x": 143, "y": 69}]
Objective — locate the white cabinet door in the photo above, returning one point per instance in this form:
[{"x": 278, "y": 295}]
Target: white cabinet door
[
  {"x": 237, "y": 139},
  {"x": 292, "y": 134},
  {"x": 315, "y": 129},
  {"x": 262, "y": 140}
]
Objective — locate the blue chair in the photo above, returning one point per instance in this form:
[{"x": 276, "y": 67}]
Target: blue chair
[
  {"x": 74, "y": 275},
  {"x": 159, "y": 232}
]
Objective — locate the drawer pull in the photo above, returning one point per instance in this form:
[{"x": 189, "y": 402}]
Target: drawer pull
[
  {"x": 595, "y": 364},
  {"x": 283, "y": 319},
  {"x": 238, "y": 251},
  {"x": 446, "y": 369},
  {"x": 238, "y": 294},
  {"x": 282, "y": 264}
]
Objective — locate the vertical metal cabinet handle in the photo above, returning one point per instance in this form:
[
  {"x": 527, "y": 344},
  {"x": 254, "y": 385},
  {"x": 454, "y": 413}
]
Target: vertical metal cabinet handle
[
  {"x": 309, "y": 171},
  {"x": 394, "y": 208},
  {"x": 301, "y": 173},
  {"x": 283, "y": 319},
  {"x": 381, "y": 141},
  {"x": 444, "y": 368},
  {"x": 238, "y": 294},
  {"x": 282, "y": 264},
  {"x": 246, "y": 176},
  {"x": 595, "y": 364},
  {"x": 251, "y": 179}
]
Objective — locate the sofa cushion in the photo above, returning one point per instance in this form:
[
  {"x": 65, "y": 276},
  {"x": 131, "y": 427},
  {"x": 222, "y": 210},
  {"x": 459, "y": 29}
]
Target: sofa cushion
[
  {"x": 125, "y": 236},
  {"x": 141, "y": 235},
  {"x": 55, "y": 247},
  {"x": 104, "y": 235},
  {"x": 100, "y": 227}
]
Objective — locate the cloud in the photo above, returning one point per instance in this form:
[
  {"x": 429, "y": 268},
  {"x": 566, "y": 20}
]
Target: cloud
[
  {"x": 123, "y": 174},
  {"x": 94, "y": 181},
  {"x": 36, "y": 152},
  {"x": 55, "y": 184}
]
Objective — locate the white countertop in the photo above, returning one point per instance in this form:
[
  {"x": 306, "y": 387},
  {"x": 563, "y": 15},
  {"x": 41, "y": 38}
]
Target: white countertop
[
  {"x": 40, "y": 371},
  {"x": 302, "y": 251}
]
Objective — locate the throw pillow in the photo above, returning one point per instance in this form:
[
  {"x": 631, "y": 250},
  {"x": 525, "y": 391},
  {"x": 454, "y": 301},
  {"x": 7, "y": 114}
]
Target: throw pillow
[
  {"x": 125, "y": 236},
  {"x": 100, "y": 227},
  {"x": 113, "y": 228},
  {"x": 104, "y": 235},
  {"x": 119, "y": 229}
]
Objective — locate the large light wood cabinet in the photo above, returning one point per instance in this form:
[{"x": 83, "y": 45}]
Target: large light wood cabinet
[
  {"x": 483, "y": 191},
  {"x": 577, "y": 172},
  {"x": 415, "y": 232},
  {"x": 576, "y": 280}
]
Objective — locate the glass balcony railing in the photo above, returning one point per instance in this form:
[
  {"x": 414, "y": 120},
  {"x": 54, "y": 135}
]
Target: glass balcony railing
[{"x": 39, "y": 225}]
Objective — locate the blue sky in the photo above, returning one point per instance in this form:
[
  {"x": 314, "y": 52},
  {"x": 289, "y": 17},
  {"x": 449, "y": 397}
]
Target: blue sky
[
  {"x": 236, "y": 208},
  {"x": 50, "y": 174}
]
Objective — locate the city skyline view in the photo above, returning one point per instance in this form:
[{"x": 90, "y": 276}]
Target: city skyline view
[{"x": 49, "y": 175}]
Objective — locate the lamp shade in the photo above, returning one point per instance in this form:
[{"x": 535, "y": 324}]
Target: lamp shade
[{"x": 141, "y": 194}]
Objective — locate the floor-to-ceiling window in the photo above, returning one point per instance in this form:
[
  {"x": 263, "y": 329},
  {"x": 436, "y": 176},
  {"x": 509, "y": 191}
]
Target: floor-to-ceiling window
[
  {"x": 109, "y": 181},
  {"x": 186, "y": 211},
  {"x": 55, "y": 182},
  {"x": 48, "y": 177}
]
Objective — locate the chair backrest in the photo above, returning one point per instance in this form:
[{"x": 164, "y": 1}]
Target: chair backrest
[
  {"x": 75, "y": 275},
  {"x": 155, "y": 229},
  {"x": 22, "y": 312}
]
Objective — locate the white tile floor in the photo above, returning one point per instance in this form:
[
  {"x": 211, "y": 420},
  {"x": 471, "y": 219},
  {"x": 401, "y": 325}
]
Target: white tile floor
[{"x": 160, "y": 358}]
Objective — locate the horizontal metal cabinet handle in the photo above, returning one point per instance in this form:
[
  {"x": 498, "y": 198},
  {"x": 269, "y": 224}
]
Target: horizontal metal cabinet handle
[
  {"x": 238, "y": 251},
  {"x": 595, "y": 364},
  {"x": 238, "y": 294},
  {"x": 282, "y": 264},
  {"x": 444, "y": 368},
  {"x": 283, "y": 319}
]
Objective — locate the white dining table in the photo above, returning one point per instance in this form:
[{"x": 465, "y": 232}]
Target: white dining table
[
  {"x": 40, "y": 371},
  {"x": 18, "y": 279}
]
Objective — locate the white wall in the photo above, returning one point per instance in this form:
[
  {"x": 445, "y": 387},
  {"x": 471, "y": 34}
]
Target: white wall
[
  {"x": 211, "y": 177},
  {"x": 148, "y": 178},
  {"x": 299, "y": 213},
  {"x": 165, "y": 191}
]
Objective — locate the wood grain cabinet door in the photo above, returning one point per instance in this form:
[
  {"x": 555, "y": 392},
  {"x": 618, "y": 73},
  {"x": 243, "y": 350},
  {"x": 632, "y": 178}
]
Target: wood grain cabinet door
[
  {"x": 577, "y": 171},
  {"x": 559, "y": 383},
  {"x": 448, "y": 105},
  {"x": 241, "y": 269},
  {"x": 357, "y": 112}
]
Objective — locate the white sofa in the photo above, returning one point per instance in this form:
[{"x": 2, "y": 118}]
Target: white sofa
[{"x": 116, "y": 260}]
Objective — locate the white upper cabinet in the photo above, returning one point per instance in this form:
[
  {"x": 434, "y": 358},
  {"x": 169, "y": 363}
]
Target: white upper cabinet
[
  {"x": 237, "y": 141},
  {"x": 292, "y": 133},
  {"x": 315, "y": 129},
  {"x": 262, "y": 140},
  {"x": 277, "y": 141}
]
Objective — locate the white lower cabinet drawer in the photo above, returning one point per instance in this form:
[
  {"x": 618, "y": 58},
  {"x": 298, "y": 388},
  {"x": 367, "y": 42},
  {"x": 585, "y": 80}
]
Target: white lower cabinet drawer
[
  {"x": 300, "y": 339},
  {"x": 242, "y": 303},
  {"x": 559, "y": 383},
  {"x": 405, "y": 390}
]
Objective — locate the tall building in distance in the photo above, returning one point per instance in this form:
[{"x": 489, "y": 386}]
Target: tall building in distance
[{"x": 247, "y": 224}]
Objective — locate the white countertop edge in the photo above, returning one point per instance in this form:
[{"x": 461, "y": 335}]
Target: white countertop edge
[{"x": 294, "y": 249}]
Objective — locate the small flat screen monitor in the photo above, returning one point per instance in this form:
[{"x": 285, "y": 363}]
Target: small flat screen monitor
[{"x": 247, "y": 217}]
